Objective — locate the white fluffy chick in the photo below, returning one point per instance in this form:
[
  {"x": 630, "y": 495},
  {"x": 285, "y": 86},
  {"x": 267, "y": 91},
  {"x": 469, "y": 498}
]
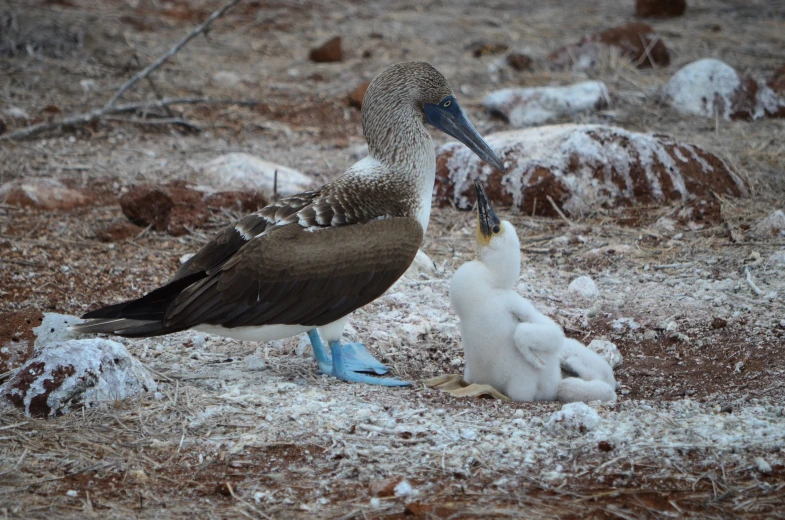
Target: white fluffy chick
[
  {"x": 590, "y": 377},
  {"x": 507, "y": 343}
]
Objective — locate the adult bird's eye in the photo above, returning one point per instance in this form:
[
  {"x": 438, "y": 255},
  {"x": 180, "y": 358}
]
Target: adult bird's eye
[
  {"x": 447, "y": 103},
  {"x": 496, "y": 230}
]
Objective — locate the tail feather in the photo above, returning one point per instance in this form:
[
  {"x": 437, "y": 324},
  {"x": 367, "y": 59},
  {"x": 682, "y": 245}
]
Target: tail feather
[
  {"x": 123, "y": 327},
  {"x": 108, "y": 312},
  {"x": 138, "y": 318}
]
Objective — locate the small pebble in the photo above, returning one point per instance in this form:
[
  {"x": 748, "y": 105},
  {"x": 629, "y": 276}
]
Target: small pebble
[
  {"x": 404, "y": 489},
  {"x": 763, "y": 466},
  {"x": 468, "y": 434},
  {"x": 254, "y": 362},
  {"x": 584, "y": 287}
]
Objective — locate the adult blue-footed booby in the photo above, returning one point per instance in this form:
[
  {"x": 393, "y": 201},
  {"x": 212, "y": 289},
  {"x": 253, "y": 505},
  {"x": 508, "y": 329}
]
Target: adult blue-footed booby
[
  {"x": 508, "y": 344},
  {"x": 305, "y": 262}
]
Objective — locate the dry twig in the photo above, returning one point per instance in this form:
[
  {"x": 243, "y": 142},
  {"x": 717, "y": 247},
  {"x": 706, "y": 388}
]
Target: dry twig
[
  {"x": 94, "y": 115},
  {"x": 110, "y": 107},
  {"x": 174, "y": 50}
]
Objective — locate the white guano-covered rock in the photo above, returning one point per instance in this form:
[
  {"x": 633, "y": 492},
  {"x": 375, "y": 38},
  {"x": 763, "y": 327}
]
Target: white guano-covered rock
[
  {"x": 582, "y": 167},
  {"x": 573, "y": 418},
  {"x": 538, "y": 105},
  {"x": 584, "y": 287},
  {"x": 710, "y": 88},
  {"x": 240, "y": 171},
  {"x": 55, "y": 328},
  {"x": 777, "y": 258},
  {"x": 772, "y": 226},
  {"x": 607, "y": 350},
  {"x": 64, "y": 376}
]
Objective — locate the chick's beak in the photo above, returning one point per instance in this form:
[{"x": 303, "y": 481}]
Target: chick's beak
[
  {"x": 452, "y": 121},
  {"x": 486, "y": 216}
]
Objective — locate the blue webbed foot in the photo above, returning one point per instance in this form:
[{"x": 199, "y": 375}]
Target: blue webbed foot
[
  {"x": 357, "y": 358},
  {"x": 348, "y": 358},
  {"x": 350, "y": 362}
]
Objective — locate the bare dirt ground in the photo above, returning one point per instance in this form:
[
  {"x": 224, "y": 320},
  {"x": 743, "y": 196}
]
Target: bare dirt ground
[{"x": 698, "y": 430}]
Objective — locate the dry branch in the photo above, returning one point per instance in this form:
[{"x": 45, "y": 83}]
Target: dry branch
[
  {"x": 174, "y": 50},
  {"x": 112, "y": 108},
  {"x": 94, "y": 115}
]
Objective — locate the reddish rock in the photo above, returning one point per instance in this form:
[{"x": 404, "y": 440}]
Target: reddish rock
[
  {"x": 146, "y": 206},
  {"x": 240, "y": 201},
  {"x": 330, "y": 52},
  {"x": 355, "y": 97},
  {"x": 777, "y": 81},
  {"x": 636, "y": 41},
  {"x": 42, "y": 193},
  {"x": 718, "y": 323},
  {"x": 384, "y": 487},
  {"x": 174, "y": 207},
  {"x": 117, "y": 232},
  {"x": 17, "y": 337},
  {"x": 660, "y": 8},
  {"x": 581, "y": 168},
  {"x": 519, "y": 62}
]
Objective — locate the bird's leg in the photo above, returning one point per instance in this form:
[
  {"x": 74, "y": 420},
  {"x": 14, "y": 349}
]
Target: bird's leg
[
  {"x": 323, "y": 360},
  {"x": 352, "y": 359}
]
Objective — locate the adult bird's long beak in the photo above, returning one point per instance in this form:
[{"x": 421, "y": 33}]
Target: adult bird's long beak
[
  {"x": 452, "y": 121},
  {"x": 486, "y": 216}
]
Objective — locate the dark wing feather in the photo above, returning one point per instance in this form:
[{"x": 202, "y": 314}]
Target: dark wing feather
[
  {"x": 291, "y": 275},
  {"x": 230, "y": 239}
]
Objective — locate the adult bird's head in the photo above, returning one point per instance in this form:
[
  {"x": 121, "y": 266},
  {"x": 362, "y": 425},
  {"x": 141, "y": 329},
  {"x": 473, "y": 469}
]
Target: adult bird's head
[
  {"x": 406, "y": 96},
  {"x": 498, "y": 246}
]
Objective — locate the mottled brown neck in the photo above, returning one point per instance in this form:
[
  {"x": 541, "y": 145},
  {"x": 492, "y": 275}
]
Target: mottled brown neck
[{"x": 392, "y": 114}]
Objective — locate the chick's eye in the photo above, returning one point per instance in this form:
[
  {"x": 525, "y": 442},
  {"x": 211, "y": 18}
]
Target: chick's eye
[
  {"x": 496, "y": 230},
  {"x": 447, "y": 103}
]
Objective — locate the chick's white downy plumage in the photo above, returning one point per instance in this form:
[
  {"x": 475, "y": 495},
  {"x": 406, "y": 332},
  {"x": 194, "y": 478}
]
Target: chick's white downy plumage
[{"x": 507, "y": 343}]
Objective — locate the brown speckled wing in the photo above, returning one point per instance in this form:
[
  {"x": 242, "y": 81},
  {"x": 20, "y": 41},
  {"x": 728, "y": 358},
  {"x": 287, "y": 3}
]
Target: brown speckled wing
[
  {"x": 291, "y": 275},
  {"x": 230, "y": 239}
]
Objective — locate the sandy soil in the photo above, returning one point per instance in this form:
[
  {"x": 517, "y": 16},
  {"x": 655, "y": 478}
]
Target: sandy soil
[{"x": 698, "y": 430}]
